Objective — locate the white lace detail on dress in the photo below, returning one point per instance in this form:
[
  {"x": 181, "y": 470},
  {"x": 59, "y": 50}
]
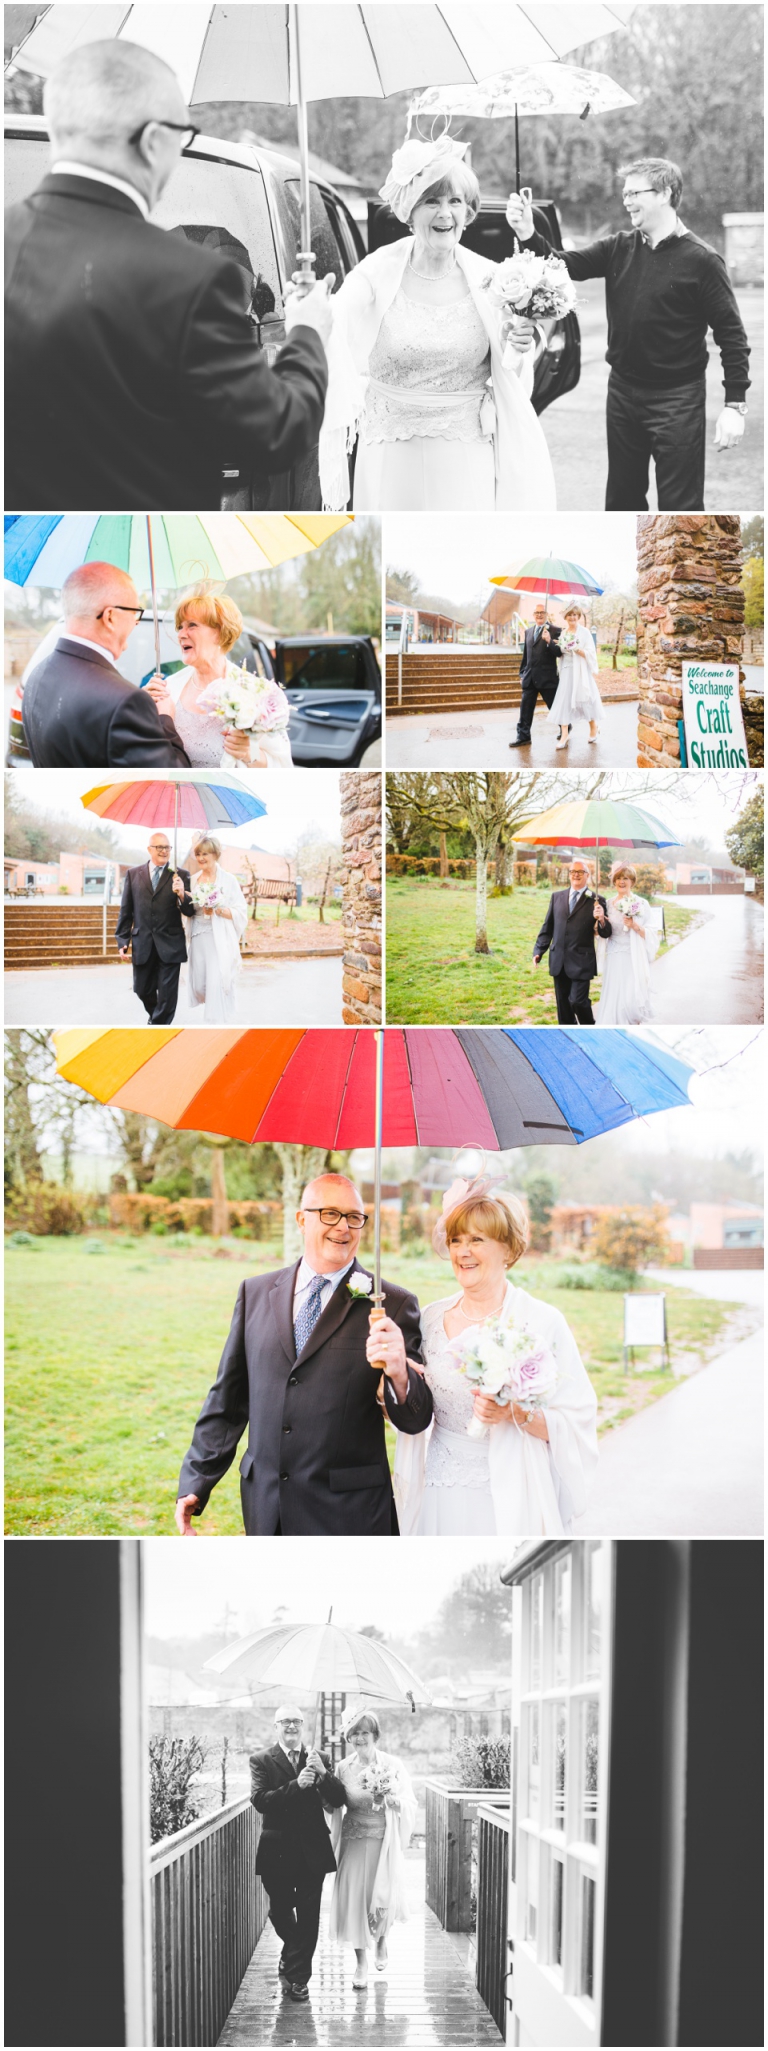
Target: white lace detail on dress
[
  {"x": 426, "y": 351},
  {"x": 453, "y": 1460},
  {"x": 201, "y": 734}
]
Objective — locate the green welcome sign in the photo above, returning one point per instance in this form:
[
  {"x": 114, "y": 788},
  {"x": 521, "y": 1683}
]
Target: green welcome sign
[{"x": 714, "y": 724}]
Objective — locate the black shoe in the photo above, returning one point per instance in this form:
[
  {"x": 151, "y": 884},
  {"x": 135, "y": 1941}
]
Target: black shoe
[
  {"x": 297, "y": 1990},
  {"x": 521, "y": 742},
  {"x": 282, "y": 1971}
]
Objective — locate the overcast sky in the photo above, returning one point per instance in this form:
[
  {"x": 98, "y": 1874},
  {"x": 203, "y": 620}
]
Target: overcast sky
[
  {"x": 455, "y": 558},
  {"x": 189, "y": 1588},
  {"x": 297, "y": 800}
]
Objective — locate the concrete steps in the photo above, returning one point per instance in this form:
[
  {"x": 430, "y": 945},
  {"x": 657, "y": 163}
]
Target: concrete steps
[
  {"x": 46, "y": 936},
  {"x": 453, "y": 683}
]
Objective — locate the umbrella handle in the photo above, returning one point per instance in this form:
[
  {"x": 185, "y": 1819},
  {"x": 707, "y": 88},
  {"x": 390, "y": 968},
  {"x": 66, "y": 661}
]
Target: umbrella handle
[{"x": 377, "y": 1312}]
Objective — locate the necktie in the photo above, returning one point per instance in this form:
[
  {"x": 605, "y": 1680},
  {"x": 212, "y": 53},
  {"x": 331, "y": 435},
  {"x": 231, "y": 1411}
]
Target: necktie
[
  {"x": 572, "y": 899},
  {"x": 154, "y": 877},
  {"x": 536, "y": 633},
  {"x": 308, "y": 1314}
]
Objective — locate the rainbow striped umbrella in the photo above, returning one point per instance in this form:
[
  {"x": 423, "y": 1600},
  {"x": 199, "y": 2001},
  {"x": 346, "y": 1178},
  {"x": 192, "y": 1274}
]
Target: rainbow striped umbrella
[
  {"x": 181, "y": 799},
  {"x": 597, "y": 822},
  {"x": 553, "y": 575}
]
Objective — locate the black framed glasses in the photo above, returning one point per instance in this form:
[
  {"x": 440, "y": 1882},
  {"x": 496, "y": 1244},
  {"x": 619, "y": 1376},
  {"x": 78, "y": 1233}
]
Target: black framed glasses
[
  {"x": 138, "y": 609},
  {"x": 186, "y": 129},
  {"x": 638, "y": 193},
  {"x": 353, "y": 1218}
]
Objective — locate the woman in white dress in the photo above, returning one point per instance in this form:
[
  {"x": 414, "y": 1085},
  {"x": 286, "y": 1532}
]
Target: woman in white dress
[
  {"x": 213, "y": 938},
  {"x": 530, "y": 1475},
  {"x": 369, "y": 1892},
  {"x": 577, "y": 695},
  {"x": 208, "y": 624},
  {"x": 423, "y": 367},
  {"x": 624, "y": 961}
]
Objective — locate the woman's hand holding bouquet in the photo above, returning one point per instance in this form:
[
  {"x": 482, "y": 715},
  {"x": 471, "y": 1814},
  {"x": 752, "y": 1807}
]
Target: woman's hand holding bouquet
[
  {"x": 531, "y": 289},
  {"x": 509, "y": 1365},
  {"x": 247, "y": 705}
]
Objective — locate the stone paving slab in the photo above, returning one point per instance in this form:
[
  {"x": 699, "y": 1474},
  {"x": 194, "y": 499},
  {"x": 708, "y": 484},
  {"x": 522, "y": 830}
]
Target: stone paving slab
[{"x": 426, "y": 1998}]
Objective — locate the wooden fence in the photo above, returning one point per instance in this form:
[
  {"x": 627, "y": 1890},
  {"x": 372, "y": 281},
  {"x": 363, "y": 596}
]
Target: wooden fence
[
  {"x": 450, "y": 1819},
  {"x": 493, "y": 1954},
  {"x": 208, "y": 1913}
]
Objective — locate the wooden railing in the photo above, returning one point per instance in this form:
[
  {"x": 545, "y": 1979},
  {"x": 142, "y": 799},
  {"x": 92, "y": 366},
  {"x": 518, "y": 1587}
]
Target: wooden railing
[
  {"x": 493, "y": 1955},
  {"x": 450, "y": 1817},
  {"x": 208, "y": 1912}
]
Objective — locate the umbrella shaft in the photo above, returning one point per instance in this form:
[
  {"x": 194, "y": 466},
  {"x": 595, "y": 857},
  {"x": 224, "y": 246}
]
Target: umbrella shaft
[
  {"x": 306, "y": 270},
  {"x": 155, "y": 616}
]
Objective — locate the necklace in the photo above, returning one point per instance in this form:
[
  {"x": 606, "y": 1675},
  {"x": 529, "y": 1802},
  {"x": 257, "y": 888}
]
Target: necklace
[
  {"x": 432, "y": 277},
  {"x": 480, "y": 1320}
]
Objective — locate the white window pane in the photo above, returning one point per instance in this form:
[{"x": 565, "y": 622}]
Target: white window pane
[
  {"x": 558, "y": 1764},
  {"x": 532, "y": 1892},
  {"x": 536, "y": 1610},
  {"x": 592, "y": 1610},
  {"x": 534, "y": 1765},
  {"x": 589, "y": 1771},
  {"x": 587, "y": 1946},
  {"x": 556, "y": 1913},
  {"x": 563, "y": 1618}
]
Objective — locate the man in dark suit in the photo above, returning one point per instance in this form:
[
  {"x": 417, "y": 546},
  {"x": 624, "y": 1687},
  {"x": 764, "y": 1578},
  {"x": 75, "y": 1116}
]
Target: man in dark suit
[
  {"x": 77, "y": 711},
  {"x": 538, "y": 672},
  {"x": 573, "y": 918},
  {"x": 133, "y": 373},
  {"x": 153, "y": 901},
  {"x": 294, "y": 1372},
  {"x": 291, "y": 1788}
]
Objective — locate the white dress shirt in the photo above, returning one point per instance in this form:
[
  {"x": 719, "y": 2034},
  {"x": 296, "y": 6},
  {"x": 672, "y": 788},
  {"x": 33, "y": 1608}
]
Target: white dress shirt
[
  {"x": 307, "y": 1275},
  {"x": 576, "y": 895},
  {"x": 103, "y": 178},
  {"x": 97, "y": 646}
]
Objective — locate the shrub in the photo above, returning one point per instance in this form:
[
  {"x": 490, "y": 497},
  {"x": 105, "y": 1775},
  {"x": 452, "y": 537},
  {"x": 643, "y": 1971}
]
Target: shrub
[
  {"x": 481, "y": 1763},
  {"x": 46, "y": 1210},
  {"x": 426, "y": 865},
  {"x": 173, "y": 1763},
  {"x": 144, "y": 1211},
  {"x": 632, "y": 1238}
]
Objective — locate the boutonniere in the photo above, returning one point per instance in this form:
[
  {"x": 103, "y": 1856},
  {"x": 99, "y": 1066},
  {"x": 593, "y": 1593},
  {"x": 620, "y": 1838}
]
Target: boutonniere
[{"x": 360, "y": 1284}]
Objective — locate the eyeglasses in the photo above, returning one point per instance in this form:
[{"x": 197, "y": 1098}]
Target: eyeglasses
[
  {"x": 353, "y": 1218},
  {"x": 138, "y": 609},
  {"x": 637, "y": 193},
  {"x": 187, "y": 130}
]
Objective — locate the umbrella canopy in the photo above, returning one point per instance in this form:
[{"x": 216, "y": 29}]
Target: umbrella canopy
[
  {"x": 553, "y": 575},
  {"x": 597, "y": 822},
  {"x": 43, "y": 548},
  {"x": 535, "y": 89},
  {"x": 181, "y": 799},
  {"x": 320, "y": 1659}
]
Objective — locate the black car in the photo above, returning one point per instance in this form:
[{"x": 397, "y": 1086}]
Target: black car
[
  {"x": 244, "y": 201},
  {"x": 557, "y": 367}
]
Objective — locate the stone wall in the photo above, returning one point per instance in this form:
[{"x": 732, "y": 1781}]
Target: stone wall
[
  {"x": 691, "y": 609},
  {"x": 361, "y": 882}
]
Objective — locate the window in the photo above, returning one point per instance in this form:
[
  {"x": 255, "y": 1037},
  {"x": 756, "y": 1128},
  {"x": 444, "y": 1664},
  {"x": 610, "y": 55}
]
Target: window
[
  {"x": 532, "y": 1892},
  {"x": 535, "y": 1629},
  {"x": 327, "y": 242},
  {"x": 589, "y": 1764},
  {"x": 587, "y": 1944},
  {"x": 329, "y": 667},
  {"x": 533, "y": 1763},
  {"x": 556, "y": 1914},
  {"x": 223, "y": 207},
  {"x": 562, "y": 1618},
  {"x": 591, "y": 1608},
  {"x": 558, "y": 1747}
]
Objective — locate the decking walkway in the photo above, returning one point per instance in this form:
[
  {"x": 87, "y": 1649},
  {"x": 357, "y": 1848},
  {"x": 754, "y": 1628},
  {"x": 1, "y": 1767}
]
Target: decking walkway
[{"x": 427, "y": 1997}]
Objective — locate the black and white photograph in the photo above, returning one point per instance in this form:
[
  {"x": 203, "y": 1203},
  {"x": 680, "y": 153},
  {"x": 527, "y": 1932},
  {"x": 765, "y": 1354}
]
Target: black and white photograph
[{"x": 415, "y": 259}]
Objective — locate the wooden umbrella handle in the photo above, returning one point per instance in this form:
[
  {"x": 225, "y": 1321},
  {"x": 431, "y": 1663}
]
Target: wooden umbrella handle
[{"x": 375, "y": 1315}]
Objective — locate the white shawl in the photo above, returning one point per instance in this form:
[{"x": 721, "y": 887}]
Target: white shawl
[
  {"x": 536, "y": 1488},
  {"x": 585, "y": 665},
  {"x": 227, "y": 933},
  {"x": 524, "y": 476},
  {"x": 389, "y": 1900},
  {"x": 642, "y": 946},
  {"x": 276, "y": 747}
]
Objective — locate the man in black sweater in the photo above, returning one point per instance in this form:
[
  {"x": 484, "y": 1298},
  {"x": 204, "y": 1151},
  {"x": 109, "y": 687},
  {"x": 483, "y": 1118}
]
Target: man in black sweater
[{"x": 664, "y": 289}]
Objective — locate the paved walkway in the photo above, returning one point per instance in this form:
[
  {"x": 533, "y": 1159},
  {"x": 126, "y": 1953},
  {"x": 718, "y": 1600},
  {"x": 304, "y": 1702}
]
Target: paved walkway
[
  {"x": 724, "y": 1285},
  {"x": 691, "y": 1466},
  {"x": 468, "y": 740},
  {"x": 714, "y": 975},
  {"x": 280, "y": 993},
  {"x": 426, "y": 1997}
]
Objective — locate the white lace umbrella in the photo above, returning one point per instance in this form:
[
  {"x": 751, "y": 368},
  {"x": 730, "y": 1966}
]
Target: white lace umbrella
[{"x": 536, "y": 89}]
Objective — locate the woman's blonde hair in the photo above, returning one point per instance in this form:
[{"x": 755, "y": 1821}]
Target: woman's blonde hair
[
  {"x": 623, "y": 869},
  {"x": 459, "y": 179},
  {"x": 498, "y": 1217},
  {"x": 209, "y": 845},
  {"x": 212, "y": 609},
  {"x": 571, "y": 609}
]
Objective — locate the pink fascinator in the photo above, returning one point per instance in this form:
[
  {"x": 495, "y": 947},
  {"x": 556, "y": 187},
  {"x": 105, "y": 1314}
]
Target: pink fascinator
[
  {"x": 463, "y": 1190},
  {"x": 416, "y": 166}
]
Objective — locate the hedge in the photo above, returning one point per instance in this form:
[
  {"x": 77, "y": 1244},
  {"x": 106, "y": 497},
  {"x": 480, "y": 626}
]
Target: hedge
[{"x": 138, "y": 1211}]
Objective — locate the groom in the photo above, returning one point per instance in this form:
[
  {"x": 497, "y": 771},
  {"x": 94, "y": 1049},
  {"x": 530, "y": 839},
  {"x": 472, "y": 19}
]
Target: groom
[
  {"x": 538, "y": 672},
  {"x": 155, "y": 898},
  {"x": 290, "y": 1788},
  {"x": 294, "y": 1371},
  {"x": 573, "y": 918}
]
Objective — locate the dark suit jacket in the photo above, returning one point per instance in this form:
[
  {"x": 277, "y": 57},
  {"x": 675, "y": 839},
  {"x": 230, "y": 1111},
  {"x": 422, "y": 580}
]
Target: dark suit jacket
[
  {"x": 570, "y": 936},
  {"x": 540, "y": 658},
  {"x": 133, "y": 375},
  {"x": 295, "y": 1834},
  {"x": 153, "y": 917},
  {"x": 78, "y": 712},
  {"x": 316, "y": 1460}
]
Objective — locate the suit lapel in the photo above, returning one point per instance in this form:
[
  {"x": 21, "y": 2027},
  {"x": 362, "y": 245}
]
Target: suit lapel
[
  {"x": 332, "y": 1317},
  {"x": 281, "y": 1303},
  {"x": 284, "y": 1765}
]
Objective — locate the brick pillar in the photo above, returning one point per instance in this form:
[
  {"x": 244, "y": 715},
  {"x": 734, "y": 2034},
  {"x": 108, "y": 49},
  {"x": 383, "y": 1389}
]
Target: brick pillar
[
  {"x": 361, "y": 882},
  {"x": 691, "y": 609}
]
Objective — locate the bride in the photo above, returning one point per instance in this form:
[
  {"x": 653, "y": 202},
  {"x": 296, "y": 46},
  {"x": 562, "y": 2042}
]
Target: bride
[
  {"x": 369, "y": 1890},
  {"x": 624, "y": 961},
  {"x": 530, "y": 1474},
  {"x": 421, "y": 365},
  {"x": 214, "y": 936},
  {"x": 208, "y": 624},
  {"x": 577, "y": 694}
]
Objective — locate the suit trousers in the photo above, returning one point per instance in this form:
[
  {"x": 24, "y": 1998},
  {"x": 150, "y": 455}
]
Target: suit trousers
[
  {"x": 529, "y": 695},
  {"x": 294, "y": 1911},
  {"x": 671, "y": 427},
  {"x": 572, "y": 999},
  {"x": 156, "y": 982}
]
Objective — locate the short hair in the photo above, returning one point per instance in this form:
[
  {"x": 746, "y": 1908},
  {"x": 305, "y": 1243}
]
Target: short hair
[
  {"x": 623, "y": 869},
  {"x": 568, "y": 610},
  {"x": 212, "y": 609},
  {"x": 498, "y": 1217},
  {"x": 331, "y": 1175},
  {"x": 208, "y": 843},
  {"x": 91, "y": 587},
  {"x": 288, "y": 1709},
  {"x": 460, "y": 179},
  {"x": 659, "y": 171},
  {"x": 366, "y": 1717},
  {"x": 104, "y": 90}
]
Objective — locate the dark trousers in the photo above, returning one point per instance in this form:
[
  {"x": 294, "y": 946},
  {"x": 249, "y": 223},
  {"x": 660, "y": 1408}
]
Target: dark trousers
[
  {"x": 572, "y": 999},
  {"x": 156, "y": 982},
  {"x": 528, "y": 699},
  {"x": 294, "y": 1911},
  {"x": 671, "y": 427}
]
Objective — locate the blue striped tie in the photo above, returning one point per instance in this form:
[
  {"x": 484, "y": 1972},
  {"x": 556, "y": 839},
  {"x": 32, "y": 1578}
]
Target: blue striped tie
[{"x": 308, "y": 1314}]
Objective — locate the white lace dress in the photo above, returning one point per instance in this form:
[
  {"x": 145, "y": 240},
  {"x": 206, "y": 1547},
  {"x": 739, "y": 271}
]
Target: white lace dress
[
  {"x": 577, "y": 695},
  {"x": 624, "y": 962},
  {"x": 429, "y": 416}
]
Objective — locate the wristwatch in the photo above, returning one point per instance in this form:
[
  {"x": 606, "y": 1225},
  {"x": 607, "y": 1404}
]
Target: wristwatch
[{"x": 737, "y": 406}]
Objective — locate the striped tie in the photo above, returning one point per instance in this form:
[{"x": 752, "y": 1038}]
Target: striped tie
[{"x": 308, "y": 1314}]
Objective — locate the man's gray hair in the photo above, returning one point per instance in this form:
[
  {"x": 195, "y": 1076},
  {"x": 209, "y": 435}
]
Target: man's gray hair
[
  {"x": 93, "y": 586},
  {"x": 102, "y": 91},
  {"x": 288, "y": 1709},
  {"x": 659, "y": 171}
]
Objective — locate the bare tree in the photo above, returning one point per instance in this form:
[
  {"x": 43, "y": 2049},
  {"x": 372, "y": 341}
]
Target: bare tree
[{"x": 486, "y": 803}]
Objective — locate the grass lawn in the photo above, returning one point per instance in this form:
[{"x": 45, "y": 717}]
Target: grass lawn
[
  {"x": 434, "y": 976},
  {"x": 109, "y": 1355}
]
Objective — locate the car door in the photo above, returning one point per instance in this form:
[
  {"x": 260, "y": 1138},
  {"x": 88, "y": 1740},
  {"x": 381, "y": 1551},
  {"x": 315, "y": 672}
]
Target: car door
[{"x": 335, "y": 704}]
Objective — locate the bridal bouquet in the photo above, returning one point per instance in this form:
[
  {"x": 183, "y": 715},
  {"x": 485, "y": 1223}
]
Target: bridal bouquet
[
  {"x": 538, "y": 287},
  {"x": 204, "y": 894},
  {"x": 378, "y": 1781},
  {"x": 248, "y": 702},
  {"x": 627, "y": 907},
  {"x": 508, "y": 1363}
]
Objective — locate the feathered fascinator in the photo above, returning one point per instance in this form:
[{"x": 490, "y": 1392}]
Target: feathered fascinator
[{"x": 416, "y": 166}]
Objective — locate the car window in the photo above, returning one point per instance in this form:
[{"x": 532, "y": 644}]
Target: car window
[
  {"x": 27, "y": 159},
  {"x": 224, "y": 207},
  {"x": 330, "y": 249},
  {"x": 339, "y": 668}
]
